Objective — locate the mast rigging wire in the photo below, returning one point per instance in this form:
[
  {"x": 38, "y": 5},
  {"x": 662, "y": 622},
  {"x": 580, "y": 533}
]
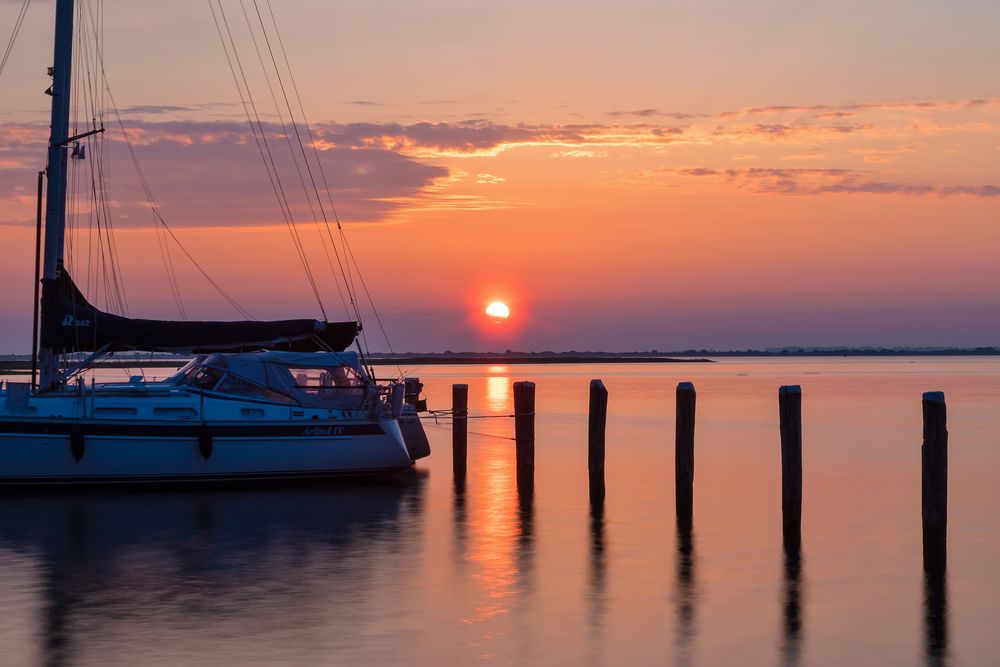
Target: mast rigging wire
[
  {"x": 104, "y": 91},
  {"x": 13, "y": 34},
  {"x": 263, "y": 147},
  {"x": 291, "y": 150},
  {"x": 326, "y": 185},
  {"x": 87, "y": 98}
]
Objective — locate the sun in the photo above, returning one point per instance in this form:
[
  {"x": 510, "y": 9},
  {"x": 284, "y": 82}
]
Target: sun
[{"x": 498, "y": 309}]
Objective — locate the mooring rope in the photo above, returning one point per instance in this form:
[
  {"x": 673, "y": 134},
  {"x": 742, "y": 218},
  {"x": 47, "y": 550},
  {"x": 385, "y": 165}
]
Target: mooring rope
[
  {"x": 479, "y": 433},
  {"x": 444, "y": 413}
]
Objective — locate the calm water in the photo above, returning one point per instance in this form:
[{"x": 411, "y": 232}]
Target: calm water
[{"x": 416, "y": 572}]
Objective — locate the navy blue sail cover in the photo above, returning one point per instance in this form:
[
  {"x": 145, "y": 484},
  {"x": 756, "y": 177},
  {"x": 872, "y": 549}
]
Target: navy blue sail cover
[{"x": 71, "y": 324}]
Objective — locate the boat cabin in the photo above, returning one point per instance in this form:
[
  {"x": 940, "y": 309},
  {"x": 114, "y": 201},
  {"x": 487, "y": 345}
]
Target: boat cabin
[{"x": 309, "y": 379}]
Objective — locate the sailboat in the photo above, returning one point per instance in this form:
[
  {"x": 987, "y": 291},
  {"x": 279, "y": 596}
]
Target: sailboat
[{"x": 271, "y": 400}]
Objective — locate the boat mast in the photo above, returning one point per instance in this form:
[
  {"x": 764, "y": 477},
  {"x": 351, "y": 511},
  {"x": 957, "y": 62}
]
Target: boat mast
[{"x": 55, "y": 198}]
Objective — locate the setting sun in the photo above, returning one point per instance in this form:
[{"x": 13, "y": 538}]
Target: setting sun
[{"x": 498, "y": 309}]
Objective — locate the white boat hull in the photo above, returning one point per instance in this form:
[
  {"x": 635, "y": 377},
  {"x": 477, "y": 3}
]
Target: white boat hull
[{"x": 66, "y": 451}]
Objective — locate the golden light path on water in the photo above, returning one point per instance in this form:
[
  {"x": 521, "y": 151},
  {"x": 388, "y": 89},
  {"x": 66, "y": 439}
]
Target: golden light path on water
[{"x": 495, "y": 530}]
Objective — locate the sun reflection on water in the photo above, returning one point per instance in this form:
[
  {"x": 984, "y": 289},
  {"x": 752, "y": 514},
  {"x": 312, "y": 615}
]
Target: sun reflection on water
[
  {"x": 494, "y": 528},
  {"x": 499, "y": 399}
]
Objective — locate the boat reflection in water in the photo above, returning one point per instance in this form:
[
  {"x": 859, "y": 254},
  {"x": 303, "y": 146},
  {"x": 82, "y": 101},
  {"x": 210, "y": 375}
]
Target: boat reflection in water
[{"x": 239, "y": 575}]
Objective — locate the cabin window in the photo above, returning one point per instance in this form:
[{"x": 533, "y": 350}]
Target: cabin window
[
  {"x": 204, "y": 378},
  {"x": 335, "y": 386},
  {"x": 233, "y": 384},
  {"x": 323, "y": 379}
]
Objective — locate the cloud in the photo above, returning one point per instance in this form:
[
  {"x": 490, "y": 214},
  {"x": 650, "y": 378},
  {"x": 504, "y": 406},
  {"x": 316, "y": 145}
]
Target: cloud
[
  {"x": 837, "y": 115},
  {"x": 805, "y": 155},
  {"x": 479, "y": 137},
  {"x": 850, "y": 186},
  {"x": 639, "y": 113},
  {"x": 874, "y": 155},
  {"x": 212, "y": 174},
  {"x": 154, "y": 109},
  {"x": 821, "y": 181},
  {"x": 971, "y": 190},
  {"x": 364, "y": 103},
  {"x": 579, "y": 154},
  {"x": 378, "y": 169},
  {"x": 854, "y": 108},
  {"x": 650, "y": 113},
  {"x": 798, "y": 131},
  {"x": 374, "y": 169},
  {"x": 489, "y": 179}
]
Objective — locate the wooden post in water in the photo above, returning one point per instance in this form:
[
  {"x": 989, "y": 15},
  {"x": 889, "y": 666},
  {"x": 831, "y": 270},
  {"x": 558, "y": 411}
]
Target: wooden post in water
[
  {"x": 524, "y": 433},
  {"x": 790, "y": 413},
  {"x": 934, "y": 482},
  {"x": 684, "y": 452},
  {"x": 595, "y": 438},
  {"x": 459, "y": 429}
]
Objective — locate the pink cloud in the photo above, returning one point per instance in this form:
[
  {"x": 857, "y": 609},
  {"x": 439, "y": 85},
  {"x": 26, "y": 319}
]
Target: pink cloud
[{"x": 210, "y": 173}]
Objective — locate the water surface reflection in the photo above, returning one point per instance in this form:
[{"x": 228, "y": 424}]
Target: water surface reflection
[
  {"x": 499, "y": 398},
  {"x": 686, "y": 591},
  {"x": 141, "y": 576},
  {"x": 791, "y": 646},
  {"x": 936, "y": 617}
]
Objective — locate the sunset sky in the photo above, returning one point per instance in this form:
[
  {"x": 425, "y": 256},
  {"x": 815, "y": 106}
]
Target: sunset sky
[{"x": 624, "y": 174}]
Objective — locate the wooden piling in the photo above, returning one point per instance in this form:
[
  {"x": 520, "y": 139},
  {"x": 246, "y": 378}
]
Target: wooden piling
[
  {"x": 459, "y": 429},
  {"x": 684, "y": 452},
  {"x": 790, "y": 413},
  {"x": 596, "y": 438},
  {"x": 934, "y": 480},
  {"x": 524, "y": 433}
]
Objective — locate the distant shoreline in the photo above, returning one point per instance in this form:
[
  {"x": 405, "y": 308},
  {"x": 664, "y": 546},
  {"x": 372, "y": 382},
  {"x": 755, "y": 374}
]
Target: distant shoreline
[
  {"x": 23, "y": 367},
  {"x": 425, "y": 360},
  {"x": 21, "y": 364},
  {"x": 654, "y": 357}
]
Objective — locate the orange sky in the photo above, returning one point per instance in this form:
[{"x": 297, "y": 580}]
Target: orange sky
[{"x": 785, "y": 178}]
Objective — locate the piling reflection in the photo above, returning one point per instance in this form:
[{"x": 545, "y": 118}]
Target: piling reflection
[
  {"x": 686, "y": 591},
  {"x": 460, "y": 522},
  {"x": 597, "y": 588},
  {"x": 525, "y": 537},
  {"x": 936, "y": 617},
  {"x": 132, "y": 573},
  {"x": 791, "y": 645}
]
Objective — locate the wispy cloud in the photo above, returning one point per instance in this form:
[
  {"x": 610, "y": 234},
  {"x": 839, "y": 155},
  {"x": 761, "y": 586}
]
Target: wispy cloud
[
  {"x": 854, "y": 108},
  {"x": 875, "y": 155},
  {"x": 478, "y": 137},
  {"x": 155, "y": 109},
  {"x": 635, "y": 113},
  {"x": 653, "y": 113},
  {"x": 578, "y": 153},
  {"x": 787, "y": 131},
  {"x": 821, "y": 181}
]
